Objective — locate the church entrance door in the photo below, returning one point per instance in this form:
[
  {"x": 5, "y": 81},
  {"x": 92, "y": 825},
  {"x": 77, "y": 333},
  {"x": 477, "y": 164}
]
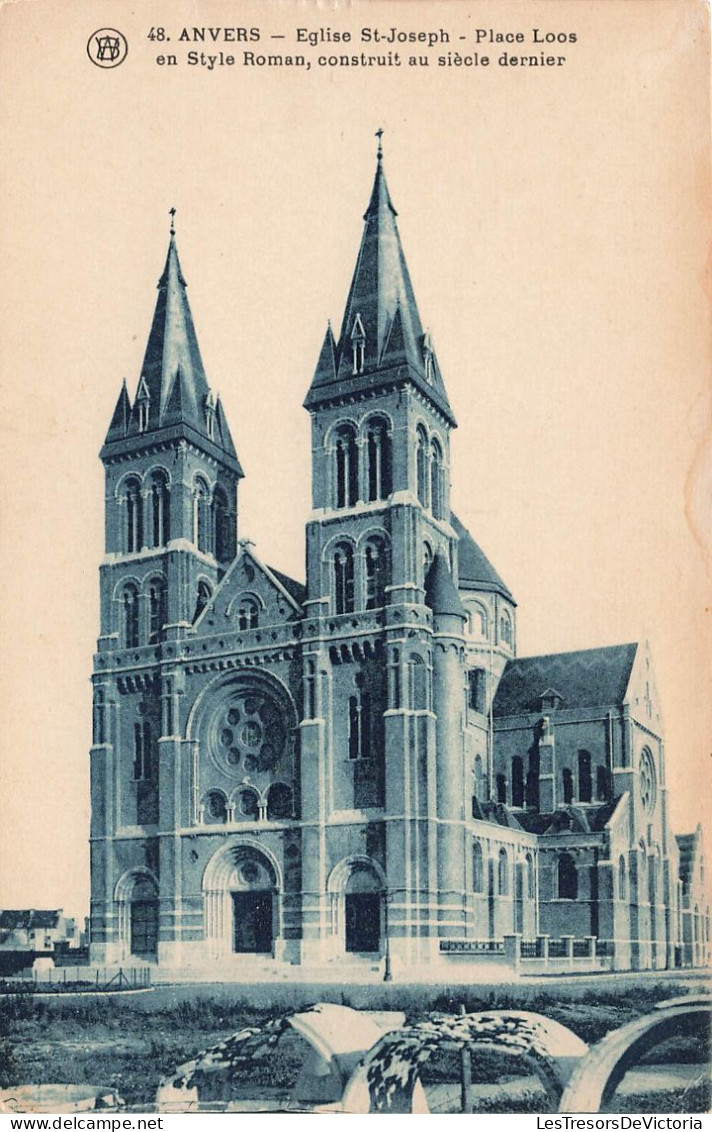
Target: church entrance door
[
  {"x": 144, "y": 929},
  {"x": 252, "y": 918},
  {"x": 363, "y": 921}
]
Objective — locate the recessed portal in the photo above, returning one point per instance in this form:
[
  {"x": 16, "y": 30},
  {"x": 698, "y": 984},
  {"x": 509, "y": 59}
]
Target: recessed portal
[{"x": 363, "y": 921}]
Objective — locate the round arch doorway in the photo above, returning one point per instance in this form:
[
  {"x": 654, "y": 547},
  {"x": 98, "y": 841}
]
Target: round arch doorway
[
  {"x": 241, "y": 891},
  {"x": 357, "y": 887}
]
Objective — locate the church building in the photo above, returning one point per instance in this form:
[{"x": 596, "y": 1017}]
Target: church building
[{"x": 358, "y": 770}]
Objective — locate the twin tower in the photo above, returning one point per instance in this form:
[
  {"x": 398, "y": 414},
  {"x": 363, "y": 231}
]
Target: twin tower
[{"x": 303, "y": 774}]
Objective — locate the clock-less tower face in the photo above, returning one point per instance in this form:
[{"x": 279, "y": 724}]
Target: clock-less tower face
[{"x": 647, "y": 781}]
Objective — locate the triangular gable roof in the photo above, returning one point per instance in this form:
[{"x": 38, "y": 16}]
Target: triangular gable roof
[{"x": 232, "y": 584}]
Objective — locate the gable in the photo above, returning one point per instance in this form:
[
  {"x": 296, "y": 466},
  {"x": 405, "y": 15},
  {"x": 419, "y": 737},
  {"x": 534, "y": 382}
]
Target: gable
[{"x": 250, "y": 595}]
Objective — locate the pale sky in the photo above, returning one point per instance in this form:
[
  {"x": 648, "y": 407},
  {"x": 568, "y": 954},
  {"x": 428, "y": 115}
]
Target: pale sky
[{"x": 554, "y": 223}]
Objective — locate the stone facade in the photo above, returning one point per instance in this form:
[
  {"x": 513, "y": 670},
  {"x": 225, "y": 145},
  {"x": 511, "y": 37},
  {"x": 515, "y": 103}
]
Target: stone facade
[{"x": 321, "y": 773}]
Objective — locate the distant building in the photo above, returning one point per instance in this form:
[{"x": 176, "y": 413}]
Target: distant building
[
  {"x": 694, "y": 927},
  {"x": 34, "y": 929},
  {"x": 320, "y": 773}
]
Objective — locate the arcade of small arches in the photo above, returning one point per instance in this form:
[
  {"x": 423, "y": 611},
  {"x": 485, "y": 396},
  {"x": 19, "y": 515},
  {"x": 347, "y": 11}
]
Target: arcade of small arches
[
  {"x": 492, "y": 872},
  {"x": 361, "y": 461},
  {"x": 579, "y": 785},
  {"x": 143, "y": 609},
  {"x": 479, "y": 623},
  {"x": 247, "y": 804},
  {"x": 146, "y": 522},
  {"x": 358, "y": 577}
]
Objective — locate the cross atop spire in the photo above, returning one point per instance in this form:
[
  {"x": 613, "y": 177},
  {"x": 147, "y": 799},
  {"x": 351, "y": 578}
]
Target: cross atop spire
[
  {"x": 172, "y": 214},
  {"x": 379, "y": 151}
]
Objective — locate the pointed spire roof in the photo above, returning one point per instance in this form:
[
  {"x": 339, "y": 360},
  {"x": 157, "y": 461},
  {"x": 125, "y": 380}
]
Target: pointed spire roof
[
  {"x": 440, "y": 592},
  {"x": 122, "y": 414},
  {"x": 173, "y": 391},
  {"x": 172, "y": 344},
  {"x": 381, "y": 312}
]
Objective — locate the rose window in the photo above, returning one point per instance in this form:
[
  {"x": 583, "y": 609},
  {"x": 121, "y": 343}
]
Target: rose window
[
  {"x": 647, "y": 781},
  {"x": 250, "y": 735}
]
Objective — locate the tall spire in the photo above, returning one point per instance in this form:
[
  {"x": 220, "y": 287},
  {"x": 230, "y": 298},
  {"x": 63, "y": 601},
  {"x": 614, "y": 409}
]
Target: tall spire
[
  {"x": 172, "y": 391},
  {"x": 173, "y": 345},
  {"x": 381, "y": 335}
]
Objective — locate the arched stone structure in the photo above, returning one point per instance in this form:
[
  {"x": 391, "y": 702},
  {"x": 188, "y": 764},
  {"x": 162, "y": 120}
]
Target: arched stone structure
[
  {"x": 387, "y": 1081},
  {"x": 597, "y": 1075},
  {"x": 338, "y": 1037}
]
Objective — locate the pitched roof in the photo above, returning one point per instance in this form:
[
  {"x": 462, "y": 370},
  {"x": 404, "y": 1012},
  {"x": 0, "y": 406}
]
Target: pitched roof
[
  {"x": 28, "y": 918},
  {"x": 296, "y": 590},
  {"x": 381, "y": 312},
  {"x": 587, "y": 678},
  {"x": 475, "y": 571},
  {"x": 440, "y": 592}
]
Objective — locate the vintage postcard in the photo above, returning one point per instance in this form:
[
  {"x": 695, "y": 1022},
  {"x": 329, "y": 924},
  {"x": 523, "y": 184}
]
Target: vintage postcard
[{"x": 355, "y": 487}]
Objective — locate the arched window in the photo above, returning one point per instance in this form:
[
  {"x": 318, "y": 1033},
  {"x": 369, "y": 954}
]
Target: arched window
[
  {"x": 343, "y": 567},
  {"x": 427, "y": 559},
  {"x": 421, "y": 465},
  {"x": 99, "y": 717},
  {"x": 503, "y": 873},
  {"x": 346, "y": 467},
  {"x": 622, "y": 887},
  {"x": 478, "y": 778},
  {"x": 157, "y": 609},
  {"x": 360, "y": 726},
  {"x": 280, "y": 803},
  {"x": 221, "y": 526},
  {"x": 215, "y": 808},
  {"x": 436, "y": 480},
  {"x": 201, "y": 516},
  {"x": 134, "y": 517},
  {"x": 603, "y": 780},
  {"x": 375, "y": 573},
  {"x": 248, "y": 805},
  {"x": 203, "y": 599},
  {"x": 568, "y": 784},
  {"x": 310, "y": 689},
  {"x": 358, "y": 346},
  {"x": 585, "y": 784},
  {"x": 532, "y": 790},
  {"x": 517, "y": 781},
  {"x": 477, "y": 871},
  {"x": 378, "y": 460},
  {"x": 248, "y": 614},
  {"x": 417, "y": 682},
  {"x": 143, "y": 752},
  {"x": 531, "y": 878},
  {"x": 130, "y": 611},
  {"x": 505, "y": 628},
  {"x": 160, "y": 509},
  {"x": 477, "y": 621},
  {"x": 502, "y": 788},
  {"x": 567, "y": 877}
]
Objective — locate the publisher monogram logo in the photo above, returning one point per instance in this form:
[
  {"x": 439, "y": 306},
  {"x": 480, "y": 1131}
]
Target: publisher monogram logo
[{"x": 107, "y": 47}]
